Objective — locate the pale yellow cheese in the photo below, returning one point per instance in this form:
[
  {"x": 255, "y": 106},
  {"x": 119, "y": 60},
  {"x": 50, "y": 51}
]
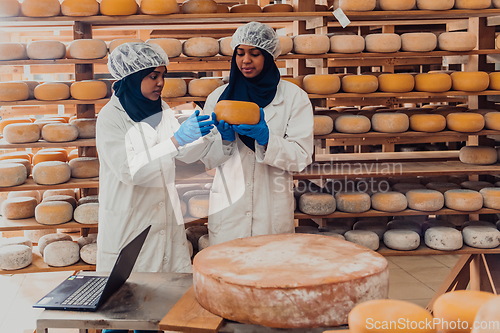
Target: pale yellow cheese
[
  {"x": 396, "y": 4},
  {"x": 323, "y": 84},
  {"x": 384, "y": 42},
  {"x": 51, "y": 173},
  {"x": 361, "y": 84},
  {"x": 86, "y": 127},
  {"x": 435, "y": 5},
  {"x": 19, "y": 208},
  {"x": 323, "y": 125},
  {"x": 12, "y": 51},
  {"x": 21, "y": 133},
  {"x": 59, "y": 132},
  {"x": 204, "y": 86},
  {"x": 10, "y": 8},
  {"x": 286, "y": 42},
  {"x": 33, "y": 194},
  {"x": 12, "y": 174},
  {"x": 118, "y": 7},
  {"x": 347, "y": 44},
  {"x": 418, "y": 41},
  {"x": 171, "y": 46},
  {"x": 353, "y": 124},
  {"x": 311, "y": 44},
  {"x": 472, "y": 4},
  {"x": 481, "y": 155},
  {"x": 13, "y": 91},
  {"x": 200, "y": 47},
  {"x": 457, "y": 41},
  {"x": 174, "y": 87},
  {"x": 46, "y": 49},
  {"x": 390, "y": 122},
  {"x": 40, "y": 8},
  {"x": 88, "y": 49},
  {"x": 225, "y": 46},
  {"x": 87, "y": 213},
  {"x": 84, "y": 167},
  {"x": 53, "y": 212}
]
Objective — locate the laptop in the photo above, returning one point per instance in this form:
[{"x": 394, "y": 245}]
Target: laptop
[{"x": 87, "y": 293}]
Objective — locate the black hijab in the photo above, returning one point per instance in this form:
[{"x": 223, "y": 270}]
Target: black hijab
[
  {"x": 138, "y": 107},
  {"x": 260, "y": 89}
]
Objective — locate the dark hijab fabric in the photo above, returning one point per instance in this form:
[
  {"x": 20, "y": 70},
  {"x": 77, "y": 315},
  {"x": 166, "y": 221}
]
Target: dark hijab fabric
[
  {"x": 260, "y": 89},
  {"x": 138, "y": 107}
]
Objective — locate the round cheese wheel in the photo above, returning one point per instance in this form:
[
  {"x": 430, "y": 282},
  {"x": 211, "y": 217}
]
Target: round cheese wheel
[
  {"x": 323, "y": 84},
  {"x": 245, "y": 8},
  {"x": 12, "y": 174},
  {"x": 52, "y": 91},
  {"x": 51, "y": 173},
  {"x": 465, "y": 122},
  {"x": 286, "y": 42},
  {"x": 32, "y": 194},
  {"x": 19, "y": 208},
  {"x": 481, "y": 236},
  {"x": 119, "y": 41},
  {"x": 443, "y": 238},
  {"x": 12, "y": 51},
  {"x": 397, "y": 83},
  {"x": 91, "y": 199},
  {"x": 66, "y": 191},
  {"x": 51, "y": 238},
  {"x": 360, "y": 84},
  {"x": 296, "y": 81},
  {"x": 15, "y": 120},
  {"x": 427, "y": 122},
  {"x": 13, "y": 91},
  {"x": 59, "y": 132},
  {"x": 402, "y": 240},
  {"x": 311, "y": 44},
  {"x": 442, "y": 187},
  {"x": 46, "y": 49},
  {"x": 49, "y": 155},
  {"x": 88, "y": 253},
  {"x": 225, "y": 46},
  {"x": 433, "y": 82},
  {"x": 16, "y": 155},
  {"x": 198, "y": 206},
  {"x": 53, "y": 212},
  {"x": 488, "y": 312},
  {"x": 86, "y": 127},
  {"x": 200, "y": 47},
  {"x": 396, "y": 4},
  {"x": 159, "y": 7},
  {"x": 355, "y": 5},
  {"x": 26, "y": 163},
  {"x": 87, "y": 213},
  {"x": 494, "y": 81},
  {"x": 237, "y": 112},
  {"x": 82, "y": 241},
  {"x": 435, "y": 5},
  {"x": 68, "y": 198},
  {"x": 88, "y": 89},
  {"x": 389, "y": 201},
  {"x": 16, "y": 241},
  {"x": 481, "y": 155},
  {"x": 60, "y": 254},
  {"x": 463, "y": 200},
  {"x": 390, "y": 122},
  {"x": 322, "y": 125},
  {"x": 84, "y": 167},
  {"x": 171, "y": 46},
  {"x": 199, "y": 7},
  {"x": 73, "y": 154},
  {"x": 277, "y": 7},
  {"x": 491, "y": 197},
  {"x": 365, "y": 238},
  {"x": 80, "y": 8},
  {"x": 475, "y": 185},
  {"x": 267, "y": 281},
  {"x": 88, "y": 48},
  {"x": 317, "y": 203},
  {"x": 352, "y": 202},
  {"x": 457, "y": 41},
  {"x": 34, "y": 235},
  {"x": 347, "y": 44},
  {"x": 492, "y": 120},
  {"x": 385, "y": 42},
  {"x": 118, "y": 7},
  {"x": 15, "y": 257},
  {"x": 21, "y": 133},
  {"x": 174, "y": 87},
  {"x": 353, "y": 124},
  {"x": 9, "y": 8},
  {"x": 203, "y": 87},
  {"x": 472, "y": 4},
  {"x": 40, "y": 8},
  {"x": 377, "y": 227},
  {"x": 425, "y": 200},
  {"x": 470, "y": 81}
]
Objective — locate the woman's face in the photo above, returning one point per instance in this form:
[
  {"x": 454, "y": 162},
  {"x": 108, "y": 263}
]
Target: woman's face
[
  {"x": 152, "y": 84},
  {"x": 250, "y": 60}
]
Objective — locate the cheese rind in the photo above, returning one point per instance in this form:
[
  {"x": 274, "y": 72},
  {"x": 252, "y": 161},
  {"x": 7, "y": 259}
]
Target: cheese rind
[
  {"x": 482, "y": 237},
  {"x": 12, "y": 51},
  {"x": 435, "y": 5},
  {"x": 200, "y": 47},
  {"x": 353, "y": 202},
  {"x": 481, "y": 155},
  {"x": 470, "y": 81},
  {"x": 433, "y": 82},
  {"x": 88, "y": 49},
  {"x": 443, "y": 238},
  {"x": 9, "y": 8},
  {"x": 159, "y": 7},
  {"x": 472, "y": 4},
  {"x": 59, "y": 132},
  {"x": 88, "y": 89},
  {"x": 13, "y": 91},
  {"x": 21, "y": 133},
  {"x": 60, "y": 254},
  {"x": 347, "y": 44},
  {"x": 317, "y": 203},
  {"x": 492, "y": 120},
  {"x": 15, "y": 257},
  {"x": 396, "y": 4},
  {"x": 383, "y": 43},
  {"x": 390, "y": 122},
  {"x": 53, "y": 212},
  {"x": 237, "y": 112},
  {"x": 174, "y": 87},
  {"x": 353, "y": 124},
  {"x": 366, "y": 238},
  {"x": 51, "y": 238},
  {"x": 51, "y": 173},
  {"x": 427, "y": 123},
  {"x": 491, "y": 197},
  {"x": 465, "y": 121},
  {"x": 225, "y": 46},
  {"x": 286, "y": 43},
  {"x": 52, "y": 91},
  {"x": 425, "y": 200},
  {"x": 19, "y": 208},
  {"x": 402, "y": 240},
  {"x": 12, "y": 174},
  {"x": 361, "y": 84},
  {"x": 397, "y": 83},
  {"x": 46, "y": 49},
  {"x": 463, "y": 200},
  {"x": 118, "y": 8},
  {"x": 311, "y": 44},
  {"x": 457, "y": 41},
  {"x": 86, "y": 127},
  {"x": 199, "y": 7},
  {"x": 355, "y": 5},
  {"x": 87, "y": 213},
  {"x": 323, "y": 84},
  {"x": 171, "y": 46},
  {"x": 80, "y": 8},
  {"x": 40, "y": 8},
  {"x": 322, "y": 125},
  {"x": 390, "y": 201}
]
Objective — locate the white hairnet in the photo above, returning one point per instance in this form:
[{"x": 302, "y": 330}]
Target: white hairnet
[
  {"x": 129, "y": 58},
  {"x": 259, "y": 35}
]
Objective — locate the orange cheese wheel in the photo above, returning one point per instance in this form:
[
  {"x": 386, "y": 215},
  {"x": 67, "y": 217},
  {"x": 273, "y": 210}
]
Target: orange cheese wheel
[
  {"x": 463, "y": 200},
  {"x": 465, "y": 121},
  {"x": 385, "y": 43},
  {"x": 236, "y": 112},
  {"x": 355, "y": 5},
  {"x": 159, "y": 7},
  {"x": 481, "y": 155},
  {"x": 15, "y": 155},
  {"x": 118, "y": 7},
  {"x": 80, "y": 8},
  {"x": 200, "y": 47},
  {"x": 418, "y": 42},
  {"x": 427, "y": 122},
  {"x": 19, "y": 208},
  {"x": 470, "y": 81},
  {"x": 51, "y": 173},
  {"x": 204, "y": 86},
  {"x": 171, "y": 46},
  {"x": 84, "y": 167},
  {"x": 353, "y": 124},
  {"x": 245, "y": 8},
  {"x": 12, "y": 174},
  {"x": 389, "y": 201},
  {"x": 225, "y": 46},
  {"x": 435, "y": 5},
  {"x": 425, "y": 200},
  {"x": 323, "y": 84},
  {"x": 362, "y": 84},
  {"x": 119, "y": 41},
  {"x": 489, "y": 312},
  {"x": 13, "y": 51},
  {"x": 86, "y": 127},
  {"x": 311, "y": 44},
  {"x": 174, "y": 87},
  {"x": 15, "y": 120},
  {"x": 73, "y": 154},
  {"x": 494, "y": 81},
  {"x": 457, "y": 41},
  {"x": 397, "y": 83},
  {"x": 47, "y": 156},
  {"x": 390, "y": 122},
  {"x": 88, "y": 90},
  {"x": 433, "y": 82},
  {"x": 352, "y": 202},
  {"x": 286, "y": 43},
  {"x": 52, "y": 91},
  {"x": 472, "y": 4},
  {"x": 199, "y": 7},
  {"x": 347, "y": 44},
  {"x": 396, "y": 4},
  {"x": 13, "y": 91},
  {"x": 492, "y": 120},
  {"x": 46, "y": 50},
  {"x": 61, "y": 150},
  {"x": 21, "y": 133},
  {"x": 40, "y": 8},
  {"x": 277, "y": 7},
  {"x": 88, "y": 49},
  {"x": 491, "y": 197},
  {"x": 25, "y": 162},
  {"x": 10, "y": 8},
  {"x": 59, "y": 132}
]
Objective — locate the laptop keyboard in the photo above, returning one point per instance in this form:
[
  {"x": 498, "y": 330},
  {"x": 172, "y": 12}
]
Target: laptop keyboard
[{"x": 88, "y": 293}]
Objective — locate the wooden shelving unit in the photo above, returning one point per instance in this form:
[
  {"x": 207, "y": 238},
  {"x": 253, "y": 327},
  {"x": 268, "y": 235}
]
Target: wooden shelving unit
[
  {"x": 44, "y": 144},
  {"x": 72, "y": 183},
  {"x": 32, "y": 224}
]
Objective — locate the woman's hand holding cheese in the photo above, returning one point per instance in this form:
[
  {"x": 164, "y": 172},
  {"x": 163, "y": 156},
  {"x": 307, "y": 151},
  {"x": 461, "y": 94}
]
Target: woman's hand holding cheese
[
  {"x": 259, "y": 132},
  {"x": 193, "y": 128},
  {"x": 226, "y": 131}
]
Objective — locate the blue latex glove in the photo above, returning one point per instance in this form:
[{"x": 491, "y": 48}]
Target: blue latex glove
[
  {"x": 225, "y": 130},
  {"x": 193, "y": 128},
  {"x": 259, "y": 132}
]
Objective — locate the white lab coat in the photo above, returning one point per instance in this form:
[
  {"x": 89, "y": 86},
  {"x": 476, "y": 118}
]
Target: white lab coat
[
  {"x": 136, "y": 189},
  {"x": 252, "y": 193}
]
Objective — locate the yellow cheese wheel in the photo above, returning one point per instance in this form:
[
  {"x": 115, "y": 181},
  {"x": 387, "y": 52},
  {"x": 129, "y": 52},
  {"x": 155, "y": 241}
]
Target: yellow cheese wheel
[
  {"x": 353, "y": 124},
  {"x": 51, "y": 173},
  {"x": 347, "y": 44},
  {"x": 53, "y": 212},
  {"x": 222, "y": 9},
  {"x": 119, "y": 41},
  {"x": 19, "y": 208},
  {"x": 174, "y": 87},
  {"x": 435, "y": 5},
  {"x": 470, "y": 81},
  {"x": 425, "y": 200},
  {"x": 88, "y": 89},
  {"x": 396, "y": 4},
  {"x": 88, "y": 49},
  {"x": 355, "y": 5},
  {"x": 472, "y": 4},
  {"x": 390, "y": 201},
  {"x": 14, "y": 120},
  {"x": 15, "y": 155},
  {"x": 46, "y": 50},
  {"x": 457, "y": 41},
  {"x": 40, "y": 8},
  {"x": 245, "y": 8},
  {"x": 84, "y": 167},
  {"x": 311, "y": 44},
  {"x": 489, "y": 313},
  {"x": 45, "y": 156},
  {"x": 9, "y": 8},
  {"x": 323, "y": 84},
  {"x": 296, "y": 81},
  {"x": 494, "y": 81},
  {"x": 13, "y": 91},
  {"x": 25, "y": 162},
  {"x": 225, "y": 46},
  {"x": 86, "y": 127},
  {"x": 459, "y": 306},
  {"x": 204, "y": 86},
  {"x": 352, "y": 202},
  {"x": 200, "y": 47},
  {"x": 465, "y": 121},
  {"x": 418, "y": 41},
  {"x": 12, "y": 174},
  {"x": 492, "y": 120},
  {"x": 463, "y": 200},
  {"x": 362, "y": 84},
  {"x": 73, "y": 154},
  {"x": 118, "y": 7},
  {"x": 52, "y": 91},
  {"x": 427, "y": 122},
  {"x": 286, "y": 43},
  {"x": 13, "y": 51},
  {"x": 80, "y": 8},
  {"x": 390, "y": 122},
  {"x": 396, "y": 83},
  {"x": 33, "y": 194},
  {"x": 481, "y": 155},
  {"x": 322, "y": 125},
  {"x": 159, "y": 7},
  {"x": 171, "y": 46},
  {"x": 21, "y": 133},
  {"x": 277, "y": 7},
  {"x": 491, "y": 197},
  {"x": 433, "y": 82},
  {"x": 199, "y": 7},
  {"x": 385, "y": 43},
  {"x": 59, "y": 132},
  {"x": 237, "y": 112}
]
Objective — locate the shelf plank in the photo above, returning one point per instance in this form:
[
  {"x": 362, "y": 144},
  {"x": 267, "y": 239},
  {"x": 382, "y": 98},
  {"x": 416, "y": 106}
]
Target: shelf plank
[
  {"x": 419, "y": 14},
  {"x": 389, "y": 156},
  {"x": 60, "y": 102},
  {"x": 44, "y": 144},
  {"x": 423, "y": 250},
  {"x": 72, "y": 183},
  {"x": 32, "y": 224}
]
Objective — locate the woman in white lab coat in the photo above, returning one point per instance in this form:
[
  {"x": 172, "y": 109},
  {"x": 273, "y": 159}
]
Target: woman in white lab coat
[
  {"x": 252, "y": 192},
  {"x": 138, "y": 139}
]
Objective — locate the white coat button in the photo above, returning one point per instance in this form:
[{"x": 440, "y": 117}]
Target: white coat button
[
  {"x": 165, "y": 259},
  {"x": 248, "y": 184},
  {"x": 248, "y": 214},
  {"x": 162, "y": 232},
  {"x": 250, "y": 152},
  {"x": 160, "y": 204}
]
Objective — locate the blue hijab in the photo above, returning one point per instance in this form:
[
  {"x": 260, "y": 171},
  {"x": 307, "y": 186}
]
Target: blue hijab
[
  {"x": 260, "y": 89},
  {"x": 138, "y": 107}
]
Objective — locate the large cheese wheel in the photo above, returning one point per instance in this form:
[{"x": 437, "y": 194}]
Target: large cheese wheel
[
  {"x": 396, "y": 4},
  {"x": 66, "y": 191},
  {"x": 385, "y": 42},
  {"x": 245, "y": 8},
  {"x": 19, "y": 208},
  {"x": 204, "y": 86},
  {"x": 365, "y": 238},
  {"x": 322, "y": 125},
  {"x": 465, "y": 121},
  {"x": 22, "y": 133},
  {"x": 433, "y": 82},
  {"x": 159, "y": 7},
  {"x": 481, "y": 155},
  {"x": 12, "y": 174},
  {"x": 26, "y": 163},
  {"x": 390, "y": 122},
  {"x": 52, "y": 91},
  {"x": 118, "y": 7},
  {"x": 427, "y": 122},
  {"x": 470, "y": 81},
  {"x": 402, "y": 240},
  {"x": 88, "y": 48},
  {"x": 225, "y": 46},
  {"x": 457, "y": 41},
  {"x": 46, "y": 50},
  {"x": 237, "y": 112},
  {"x": 93, "y": 199},
  {"x": 51, "y": 173},
  {"x": 15, "y": 155},
  {"x": 323, "y": 84},
  {"x": 49, "y": 155},
  {"x": 378, "y": 227},
  {"x": 472, "y": 4},
  {"x": 361, "y": 84},
  {"x": 463, "y": 200},
  {"x": 86, "y": 127},
  {"x": 425, "y": 200},
  {"x": 16, "y": 241},
  {"x": 199, "y": 7},
  {"x": 15, "y": 257},
  {"x": 390, "y": 201},
  {"x": 84, "y": 167},
  {"x": 12, "y": 51},
  {"x": 174, "y": 87},
  {"x": 492, "y": 120},
  {"x": 475, "y": 185},
  {"x": 443, "y": 238},
  {"x": 355, "y": 5},
  {"x": 59, "y": 132},
  {"x": 435, "y": 5},
  {"x": 459, "y": 306},
  {"x": 119, "y": 41},
  {"x": 171, "y": 46},
  {"x": 496, "y": 3},
  {"x": 51, "y": 238},
  {"x": 483, "y": 237},
  {"x": 491, "y": 197},
  {"x": 297, "y": 286},
  {"x": 200, "y": 47},
  {"x": 277, "y": 7},
  {"x": 13, "y": 91},
  {"x": 442, "y": 187},
  {"x": 494, "y": 81},
  {"x": 60, "y": 254},
  {"x": 397, "y": 83},
  {"x": 317, "y": 203},
  {"x": 87, "y": 213},
  {"x": 286, "y": 42},
  {"x": 80, "y": 8},
  {"x": 489, "y": 312},
  {"x": 15, "y": 120},
  {"x": 347, "y": 44},
  {"x": 9, "y": 8},
  {"x": 32, "y": 194},
  {"x": 88, "y": 253},
  {"x": 53, "y": 212},
  {"x": 68, "y": 198},
  {"x": 352, "y": 202},
  {"x": 352, "y": 124},
  {"x": 311, "y": 44},
  {"x": 88, "y": 89},
  {"x": 40, "y": 8}
]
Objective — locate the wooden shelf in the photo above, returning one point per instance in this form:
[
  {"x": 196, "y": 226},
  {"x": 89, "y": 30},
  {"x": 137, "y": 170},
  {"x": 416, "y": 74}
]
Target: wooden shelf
[
  {"x": 420, "y": 14},
  {"x": 72, "y": 183},
  {"x": 32, "y": 224},
  {"x": 60, "y": 102},
  {"x": 44, "y": 144},
  {"x": 397, "y": 157},
  {"x": 423, "y": 250}
]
